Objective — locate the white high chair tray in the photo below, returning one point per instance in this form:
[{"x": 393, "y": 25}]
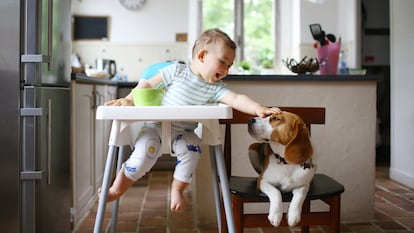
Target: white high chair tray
[{"x": 154, "y": 113}]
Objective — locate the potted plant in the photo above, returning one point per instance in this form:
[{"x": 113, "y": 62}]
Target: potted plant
[
  {"x": 267, "y": 66},
  {"x": 244, "y": 67}
]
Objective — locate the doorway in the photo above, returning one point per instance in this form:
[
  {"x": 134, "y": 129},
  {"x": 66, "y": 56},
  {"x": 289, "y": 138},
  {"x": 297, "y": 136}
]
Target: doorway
[{"x": 375, "y": 38}]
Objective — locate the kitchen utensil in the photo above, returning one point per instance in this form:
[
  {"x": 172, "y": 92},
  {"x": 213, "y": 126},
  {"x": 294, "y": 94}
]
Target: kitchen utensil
[
  {"x": 322, "y": 40},
  {"x": 316, "y": 31},
  {"x": 331, "y": 37},
  {"x": 328, "y": 56},
  {"x": 96, "y": 73},
  {"x": 106, "y": 65}
]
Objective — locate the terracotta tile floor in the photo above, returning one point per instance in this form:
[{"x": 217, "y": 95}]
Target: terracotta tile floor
[{"x": 144, "y": 209}]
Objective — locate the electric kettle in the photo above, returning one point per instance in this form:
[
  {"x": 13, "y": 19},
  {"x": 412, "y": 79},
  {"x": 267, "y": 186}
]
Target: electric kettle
[{"x": 106, "y": 65}]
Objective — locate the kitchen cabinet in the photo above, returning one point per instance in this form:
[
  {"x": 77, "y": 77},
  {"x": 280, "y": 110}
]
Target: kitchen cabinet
[
  {"x": 103, "y": 93},
  {"x": 89, "y": 138}
]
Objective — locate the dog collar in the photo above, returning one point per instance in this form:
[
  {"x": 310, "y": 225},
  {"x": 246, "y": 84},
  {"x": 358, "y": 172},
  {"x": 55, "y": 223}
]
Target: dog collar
[
  {"x": 280, "y": 159},
  {"x": 306, "y": 165}
]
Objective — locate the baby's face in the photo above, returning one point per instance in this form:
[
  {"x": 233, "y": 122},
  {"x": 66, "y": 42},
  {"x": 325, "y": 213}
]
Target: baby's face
[{"x": 217, "y": 62}]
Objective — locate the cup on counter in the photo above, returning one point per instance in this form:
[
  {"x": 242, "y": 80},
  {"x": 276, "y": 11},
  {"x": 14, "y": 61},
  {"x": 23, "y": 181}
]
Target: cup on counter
[
  {"x": 147, "y": 96},
  {"x": 328, "y": 56}
]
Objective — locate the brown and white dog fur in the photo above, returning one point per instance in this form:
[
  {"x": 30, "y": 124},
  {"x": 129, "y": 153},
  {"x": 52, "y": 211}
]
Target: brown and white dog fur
[{"x": 286, "y": 135}]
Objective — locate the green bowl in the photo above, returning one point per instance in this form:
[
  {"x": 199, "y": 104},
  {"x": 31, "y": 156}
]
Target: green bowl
[{"x": 147, "y": 97}]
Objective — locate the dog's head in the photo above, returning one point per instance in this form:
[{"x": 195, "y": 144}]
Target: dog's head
[{"x": 287, "y": 129}]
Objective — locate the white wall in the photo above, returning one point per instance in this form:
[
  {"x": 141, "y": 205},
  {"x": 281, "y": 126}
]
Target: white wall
[
  {"x": 156, "y": 21},
  {"x": 138, "y": 38},
  {"x": 402, "y": 83},
  {"x": 131, "y": 58}
]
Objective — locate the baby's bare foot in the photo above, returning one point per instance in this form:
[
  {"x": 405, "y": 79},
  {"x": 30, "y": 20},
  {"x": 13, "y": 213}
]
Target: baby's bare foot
[{"x": 177, "y": 200}]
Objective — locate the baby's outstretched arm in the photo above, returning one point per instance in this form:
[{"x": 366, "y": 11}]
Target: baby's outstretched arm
[
  {"x": 120, "y": 102},
  {"x": 245, "y": 104}
]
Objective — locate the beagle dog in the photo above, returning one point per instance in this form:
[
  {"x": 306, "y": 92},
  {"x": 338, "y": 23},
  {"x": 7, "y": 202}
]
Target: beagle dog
[{"x": 283, "y": 159}]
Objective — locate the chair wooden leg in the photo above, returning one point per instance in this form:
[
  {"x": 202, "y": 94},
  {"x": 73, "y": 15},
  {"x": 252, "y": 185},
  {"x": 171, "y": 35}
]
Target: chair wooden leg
[
  {"x": 305, "y": 210},
  {"x": 335, "y": 209},
  {"x": 238, "y": 213}
]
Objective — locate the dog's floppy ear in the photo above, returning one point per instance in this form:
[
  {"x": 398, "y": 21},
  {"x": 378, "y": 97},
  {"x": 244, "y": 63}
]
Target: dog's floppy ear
[
  {"x": 299, "y": 148},
  {"x": 257, "y": 154}
]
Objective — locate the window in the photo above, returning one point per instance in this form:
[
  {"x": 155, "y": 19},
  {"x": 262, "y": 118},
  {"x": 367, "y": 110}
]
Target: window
[{"x": 251, "y": 24}]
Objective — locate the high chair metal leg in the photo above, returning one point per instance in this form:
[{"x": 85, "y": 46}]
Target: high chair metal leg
[
  {"x": 104, "y": 189},
  {"x": 215, "y": 187},
  {"x": 115, "y": 204}
]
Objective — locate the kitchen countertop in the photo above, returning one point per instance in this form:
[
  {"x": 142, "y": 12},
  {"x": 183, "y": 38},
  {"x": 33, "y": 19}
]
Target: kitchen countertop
[
  {"x": 248, "y": 77},
  {"x": 304, "y": 77},
  {"x": 91, "y": 80}
]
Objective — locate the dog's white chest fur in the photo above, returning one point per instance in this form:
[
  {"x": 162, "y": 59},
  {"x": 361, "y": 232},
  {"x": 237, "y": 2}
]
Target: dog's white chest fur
[{"x": 286, "y": 176}]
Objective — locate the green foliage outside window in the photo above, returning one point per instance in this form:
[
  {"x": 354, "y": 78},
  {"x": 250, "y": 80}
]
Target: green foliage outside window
[
  {"x": 219, "y": 14},
  {"x": 259, "y": 41}
]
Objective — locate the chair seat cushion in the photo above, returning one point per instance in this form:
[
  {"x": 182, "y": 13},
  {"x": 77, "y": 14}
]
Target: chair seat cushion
[{"x": 321, "y": 186}]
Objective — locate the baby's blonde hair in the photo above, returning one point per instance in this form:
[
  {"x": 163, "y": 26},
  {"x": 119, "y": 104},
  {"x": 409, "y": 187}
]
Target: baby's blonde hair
[{"x": 211, "y": 36}]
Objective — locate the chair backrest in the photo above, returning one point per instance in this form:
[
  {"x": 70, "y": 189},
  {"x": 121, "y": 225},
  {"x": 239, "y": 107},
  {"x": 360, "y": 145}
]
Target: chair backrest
[
  {"x": 153, "y": 69},
  {"x": 310, "y": 115}
]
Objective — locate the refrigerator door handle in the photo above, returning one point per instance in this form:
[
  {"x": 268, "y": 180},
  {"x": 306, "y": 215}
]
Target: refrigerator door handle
[
  {"x": 49, "y": 141},
  {"x": 50, "y": 34}
]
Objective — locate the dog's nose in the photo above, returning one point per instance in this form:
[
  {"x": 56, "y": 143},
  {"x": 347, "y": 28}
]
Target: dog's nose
[{"x": 251, "y": 120}]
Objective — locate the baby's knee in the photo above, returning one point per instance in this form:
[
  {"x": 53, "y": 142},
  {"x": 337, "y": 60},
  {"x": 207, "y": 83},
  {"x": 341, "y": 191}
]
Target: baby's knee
[
  {"x": 188, "y": 150},
  {"x": 142, "y": 159},
  {"x": 187, "y": 143}
]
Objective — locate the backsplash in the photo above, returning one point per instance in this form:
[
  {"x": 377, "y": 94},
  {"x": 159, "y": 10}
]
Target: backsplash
[{"x": 131, "y": 59}]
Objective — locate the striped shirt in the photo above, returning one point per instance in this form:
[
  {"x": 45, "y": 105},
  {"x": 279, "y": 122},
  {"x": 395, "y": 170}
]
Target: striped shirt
[{"x": 182, "y": 87}]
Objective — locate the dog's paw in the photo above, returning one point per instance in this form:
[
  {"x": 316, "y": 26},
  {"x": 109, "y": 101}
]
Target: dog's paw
[
  {"x": 275, "y": 218},
  {"x": 293, "y": 217}
]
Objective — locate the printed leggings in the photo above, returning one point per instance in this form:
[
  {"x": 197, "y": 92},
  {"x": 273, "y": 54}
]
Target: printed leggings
[{"x": 186, "y": 146}]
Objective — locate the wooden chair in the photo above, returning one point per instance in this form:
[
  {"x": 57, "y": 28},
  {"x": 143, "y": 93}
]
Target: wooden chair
[{"x": 243, "y": 189}]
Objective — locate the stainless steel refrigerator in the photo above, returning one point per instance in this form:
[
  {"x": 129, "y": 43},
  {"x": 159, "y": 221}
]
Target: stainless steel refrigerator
[{"x": 35, "y": 164}]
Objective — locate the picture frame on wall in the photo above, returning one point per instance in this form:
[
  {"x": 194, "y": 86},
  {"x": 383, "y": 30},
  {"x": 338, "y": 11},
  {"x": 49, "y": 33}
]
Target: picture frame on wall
[{"x": 90, "y": 27}]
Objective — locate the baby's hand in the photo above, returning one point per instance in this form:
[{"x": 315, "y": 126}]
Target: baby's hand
[
  {"x": 265, "y": 111},
  {"x": 120, "y": 102}
]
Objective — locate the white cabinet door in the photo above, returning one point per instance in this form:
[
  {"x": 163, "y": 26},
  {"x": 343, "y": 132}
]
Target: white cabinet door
[
  {"x": 83, "y": 118},
  {"x": 89, "y": 144},
  {"x": 103, "y": 93}
]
